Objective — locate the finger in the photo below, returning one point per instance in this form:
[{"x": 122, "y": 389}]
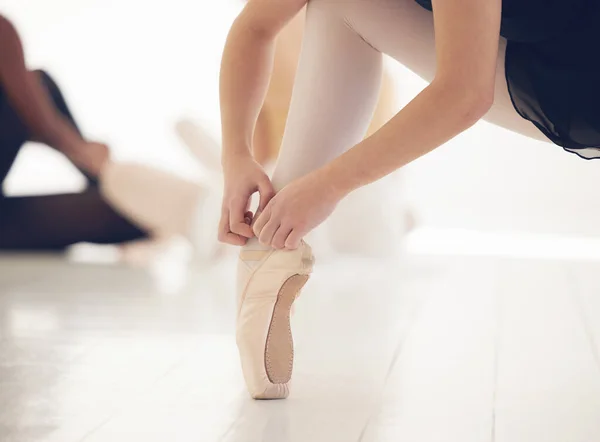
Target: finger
[
  {"x": 223, "y": 228},
  {"x": 224, "y": 235},
  {"x": 268, "y": 231},
  {"x": 248, "y": 216},
  {"x": 255, "y": 219},
  {"x": 237, "y": 223},
  {"x": 293, "y": 240},
  {"x": 266, "y": 192},
  {"x": 234, "y": 239},
  {"x": 280, "y": 237},
  {"x": 260, "y": 221}
]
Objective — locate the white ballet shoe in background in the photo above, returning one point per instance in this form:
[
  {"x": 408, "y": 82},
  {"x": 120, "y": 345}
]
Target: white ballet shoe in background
[
  {"x": 201, "y": 144},
  {"x": 269, "y": 281},
  {"x": 205, "y": 220},
  {"x": 165, "y": 205},
  {"x": 158, "y": 201},
  {"x": 203, "y": 227}
]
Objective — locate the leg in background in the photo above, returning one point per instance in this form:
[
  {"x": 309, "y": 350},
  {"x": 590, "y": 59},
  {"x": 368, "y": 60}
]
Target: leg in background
[
  {"x": 55, "y": 222},
  {"x": 52, "y": 222},
  {"x": 201, "y": 145},
  {"x": 160, "y": 202}
]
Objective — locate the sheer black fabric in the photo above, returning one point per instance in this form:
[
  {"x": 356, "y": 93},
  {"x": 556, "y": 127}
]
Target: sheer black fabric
[{"x": 553, "y": 67}]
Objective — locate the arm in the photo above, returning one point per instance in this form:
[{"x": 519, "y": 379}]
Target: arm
[
  {"x": 246, "y": 69},
  {"x": 245, "y": 72},
  {"x": 28, "y": 96},
  {"x": 460, "y": 94}
]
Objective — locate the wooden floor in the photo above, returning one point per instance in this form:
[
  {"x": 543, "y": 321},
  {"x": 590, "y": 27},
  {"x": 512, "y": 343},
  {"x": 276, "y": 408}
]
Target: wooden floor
[{"x": 447, "y": 348}]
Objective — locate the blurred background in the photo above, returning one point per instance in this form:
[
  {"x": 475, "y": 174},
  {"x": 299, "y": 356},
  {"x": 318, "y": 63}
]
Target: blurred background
[{"x": 130, "y": 70}]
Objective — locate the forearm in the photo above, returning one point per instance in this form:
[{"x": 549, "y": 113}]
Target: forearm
[
  {"x": 245, "y": 72},
  {"x": 436, "y": 115},
  {"x": 46, "y": 124}
]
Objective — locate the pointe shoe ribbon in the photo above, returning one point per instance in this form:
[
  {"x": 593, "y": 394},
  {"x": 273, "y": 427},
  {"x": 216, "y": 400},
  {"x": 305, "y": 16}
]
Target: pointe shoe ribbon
[{"x": 266, "y": 291}]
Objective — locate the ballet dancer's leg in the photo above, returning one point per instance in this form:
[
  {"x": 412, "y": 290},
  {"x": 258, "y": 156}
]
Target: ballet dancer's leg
[
  {"x": 319, "y": 128},
  {"x": 331, "y": 105},
  {"x": 334, "y": 97}
]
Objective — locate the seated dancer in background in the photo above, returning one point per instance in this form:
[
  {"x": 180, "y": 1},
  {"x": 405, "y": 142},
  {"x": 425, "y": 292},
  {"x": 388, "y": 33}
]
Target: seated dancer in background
[
  {"x": 32, "y": 108},
  {"x": 121, "y": 203}
]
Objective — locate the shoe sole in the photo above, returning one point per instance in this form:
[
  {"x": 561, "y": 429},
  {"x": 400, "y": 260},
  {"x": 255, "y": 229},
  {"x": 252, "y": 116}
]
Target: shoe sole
[{"x": 279, "y": 349}]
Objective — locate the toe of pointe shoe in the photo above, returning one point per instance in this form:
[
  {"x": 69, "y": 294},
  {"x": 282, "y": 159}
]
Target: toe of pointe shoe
[{"x": 267, "y": 292}]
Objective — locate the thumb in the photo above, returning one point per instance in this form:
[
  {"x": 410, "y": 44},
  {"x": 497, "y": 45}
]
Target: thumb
[{"x": 266, "y": 192}]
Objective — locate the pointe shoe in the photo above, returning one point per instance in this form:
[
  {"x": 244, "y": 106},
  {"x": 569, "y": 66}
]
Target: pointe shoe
[{"x": 266, "y": 292}]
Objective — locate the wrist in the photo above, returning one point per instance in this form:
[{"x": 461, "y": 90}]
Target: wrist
[
  {"x": 68, "y": 144},
  {"x": 336, "y": 181},
  {"x": 236, "y": 144},
  {"x": 235, "y": 155},
  {"x": 62, "y": 137}
]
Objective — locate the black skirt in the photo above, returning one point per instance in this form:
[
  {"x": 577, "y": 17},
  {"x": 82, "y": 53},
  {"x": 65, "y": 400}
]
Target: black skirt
[{"x": 553, "y": 68}]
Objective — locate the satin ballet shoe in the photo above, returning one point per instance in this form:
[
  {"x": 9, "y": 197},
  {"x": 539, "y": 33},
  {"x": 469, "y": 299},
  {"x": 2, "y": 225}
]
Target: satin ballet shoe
[{"x": 269, "y": 281}]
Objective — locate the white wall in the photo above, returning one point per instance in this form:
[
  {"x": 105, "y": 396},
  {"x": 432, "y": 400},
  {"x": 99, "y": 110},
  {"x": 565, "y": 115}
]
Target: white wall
[
  {"x": 491, "y": 179},
  {"x": 129, "y": 69}
]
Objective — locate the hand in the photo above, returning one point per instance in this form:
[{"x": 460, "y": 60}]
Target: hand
[
  {"x": 296, "y": 210},
  {"x": 243, "y": 176},
  {"x": 89, "y": 156}
]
